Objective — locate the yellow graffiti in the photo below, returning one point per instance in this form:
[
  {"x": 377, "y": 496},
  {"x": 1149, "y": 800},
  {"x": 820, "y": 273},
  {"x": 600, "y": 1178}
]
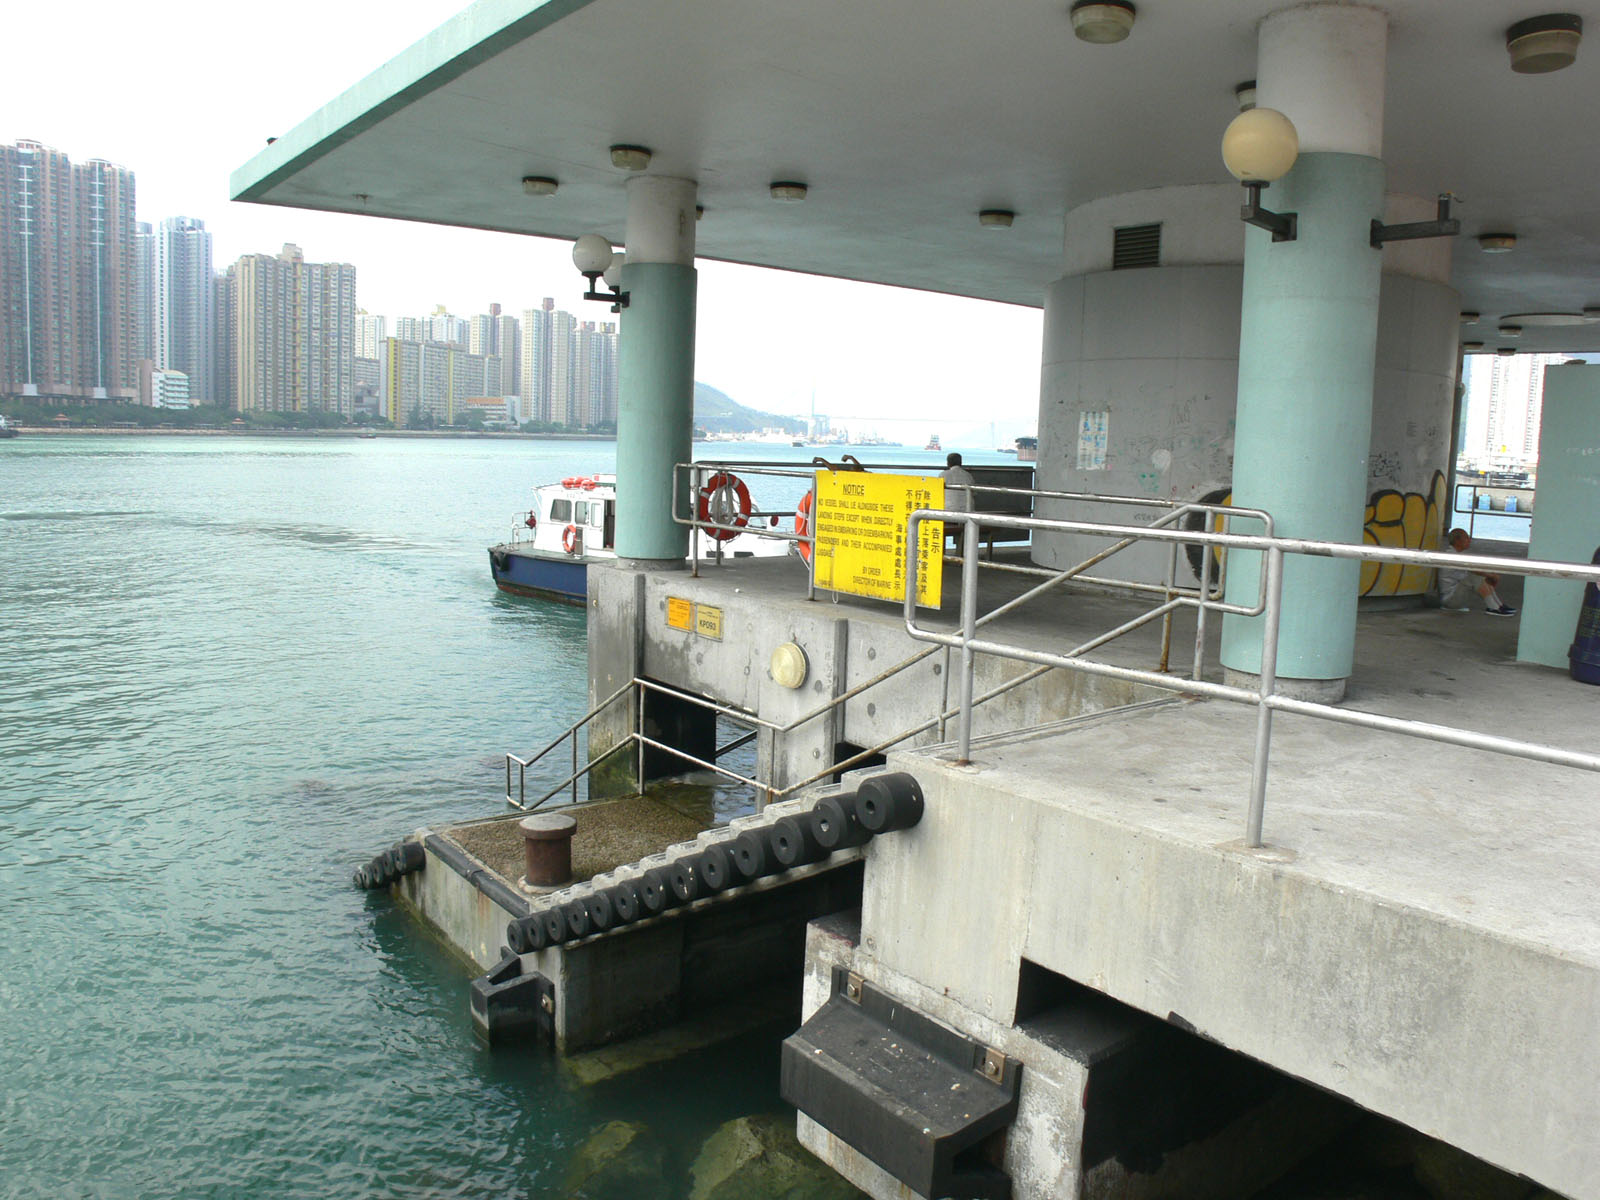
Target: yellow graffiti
[{"x": 1403, "y": 521}]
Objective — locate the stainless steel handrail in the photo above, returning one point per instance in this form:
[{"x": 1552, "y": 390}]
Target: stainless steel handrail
[{"x": 1265, "y": 696}]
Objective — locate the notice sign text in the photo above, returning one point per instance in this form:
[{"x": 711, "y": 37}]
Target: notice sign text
[{"x": 861, "y": 534}]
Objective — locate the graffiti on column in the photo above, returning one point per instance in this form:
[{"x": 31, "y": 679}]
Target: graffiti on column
[{"x": 1401, "y": 520}]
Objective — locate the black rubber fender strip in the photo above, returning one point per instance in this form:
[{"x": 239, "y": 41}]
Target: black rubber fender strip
[{"x": 479, "y": 876}]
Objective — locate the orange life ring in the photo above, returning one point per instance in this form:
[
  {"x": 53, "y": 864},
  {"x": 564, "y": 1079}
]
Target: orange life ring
[
  {"x": 717, "y": 489},
  {"x": 802, "y": 524},
  {"x": 589, "y": 484},
  {"x": 571, "y": 481},
  {"x": 569, "y": 539}
]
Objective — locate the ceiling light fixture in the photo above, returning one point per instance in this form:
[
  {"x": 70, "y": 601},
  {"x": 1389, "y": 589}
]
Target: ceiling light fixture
[
  {"x": 1511, "y": 331},
  {"x": 788, "y": 191},
  {"x": 996, "y": 218},
  {"x": 1245, "y": 95},
  {"x": 1507, "y": 351},
  {"x": 1471, "y": 347},
  {"x": 1469, "y": 318},
  {"x": 1257, "y": 147},
  {"x": 539, "y": 185},
  {"x": 1543, "y": 44},
  {"x": 631, "y": 158},
  {"x": 1102, "y": 24},
  {"x": 1549, "y": 319},
  {"x": 1497, "y": 243},
  {"x": 1591, "y": 312}
]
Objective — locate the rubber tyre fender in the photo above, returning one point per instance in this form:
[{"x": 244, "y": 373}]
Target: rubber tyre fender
[
  {"x": 410, "y": 856},
  {"x": 626, "y": 902},
  {"x": 555, "y": 926},
  {"x": 793, "y": 842},
  {"x": 835, "y": 825},
  {"x": 888, "y": 803},
  {"x": 752, "y": 855},
  {"x": 715, "y": 867},
  {"x": 683, "y": 877},
  {"x": 601, "y": 915},
  {"x": 576, "y": 913},
  {"x": 655, "y": 891},
  {"x": 517, "y": 937},
  {"x": 362, "y": 879}
]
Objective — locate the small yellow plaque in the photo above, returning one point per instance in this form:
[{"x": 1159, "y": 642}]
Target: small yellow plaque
[
  {"x": 708, "y": 621},
  {"x": 680, "y": 613}
]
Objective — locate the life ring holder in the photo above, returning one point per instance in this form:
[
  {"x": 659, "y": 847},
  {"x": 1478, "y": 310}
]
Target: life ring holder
[
  {"x": 718, "y": 487},
  {"x": 569, "y": 539}
]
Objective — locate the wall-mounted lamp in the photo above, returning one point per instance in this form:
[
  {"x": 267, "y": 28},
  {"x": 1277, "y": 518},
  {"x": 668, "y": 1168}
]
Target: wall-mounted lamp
[
  {"x": 631, "y": 158},
  {"x": 1258, "y": 147},
  {"x": 594, "y": 258},
  {"x": 1444, "y": 225}
]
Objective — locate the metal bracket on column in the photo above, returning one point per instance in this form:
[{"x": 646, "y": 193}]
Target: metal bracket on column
[
  {"x": 1283, "y": 226},
  {"x": 1444, "y": 225}
]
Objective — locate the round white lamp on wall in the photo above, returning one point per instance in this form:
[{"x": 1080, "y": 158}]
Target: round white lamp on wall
[
  {"x": 788, "y": 665},
  {"x": 1258, "y": 147},
  {"x": 591, "y": 254}
]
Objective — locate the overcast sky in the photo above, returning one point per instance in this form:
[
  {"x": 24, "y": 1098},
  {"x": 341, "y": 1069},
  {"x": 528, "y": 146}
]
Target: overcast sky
[{"x": 183, "y": 93}]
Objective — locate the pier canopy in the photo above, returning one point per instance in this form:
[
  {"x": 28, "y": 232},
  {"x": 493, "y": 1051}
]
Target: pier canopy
[{"x": 906, "y": 119}]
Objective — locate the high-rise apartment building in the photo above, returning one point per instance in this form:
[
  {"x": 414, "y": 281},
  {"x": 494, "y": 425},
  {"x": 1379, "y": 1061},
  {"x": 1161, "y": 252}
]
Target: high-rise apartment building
[
  {"x": 227, "y": 340},
  {"x": 144, "y": 293},
  {"x": 184, "y": 313},
  {"x": 295, "y": 333},
  {"x": 534, "y": 362},
  {"x": 445, "y": 329},
  {"x": 1505, "y": 401},
  {"x": 370, "y": 335},
  {"x": 568, "y": 370},
  {"x": 430, "y": 379},
  {"x": 498, "y": 333},
  {"x": 68, "y": 277}
]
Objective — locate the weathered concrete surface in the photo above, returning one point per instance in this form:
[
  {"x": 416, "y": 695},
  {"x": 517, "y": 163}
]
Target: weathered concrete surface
[
  {"x": 463, "y": 915},
  {"x": 1421, "y": 936}
]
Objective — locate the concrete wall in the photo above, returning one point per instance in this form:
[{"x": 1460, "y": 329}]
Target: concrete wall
[
  {"x": 1566, "y": 523},
  {"x": 1401, "y": 1011},
  {"x": 1156, "y": 350}
]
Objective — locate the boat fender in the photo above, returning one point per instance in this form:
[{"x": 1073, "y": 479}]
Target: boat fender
[
  {"x": 500, "y": 559},
  {"x": 886, "y": 803},
  {"x": 655, "y": 891},
  {"x": 683, "y": 877},
  {"x": 531, "y": 520},
  {"x": 835, "y": 824},
  {"x": 411, "y": 856},
  {"x": 517, "y": 937},
  {"x": 361, "y": 879},
  {"x": 601, "y": 915},
  {"x": 793, "y": 843},
  {"x": 802, "y": 524},
  {"x": 753, "y": 856},
  {"x": 625, "y": 902},
  {"x": 715, "y": 867},
  {"x": 534, "y": 933},
  {"x": 732, "y": 500},
  {"x": 577, "y": 914},
  {"x": 569, "y": 539},
  {"x": 555, "y": 926}
]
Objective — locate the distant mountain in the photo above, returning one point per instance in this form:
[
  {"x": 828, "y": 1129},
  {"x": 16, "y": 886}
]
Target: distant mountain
[{"x": 716, "y": 412}]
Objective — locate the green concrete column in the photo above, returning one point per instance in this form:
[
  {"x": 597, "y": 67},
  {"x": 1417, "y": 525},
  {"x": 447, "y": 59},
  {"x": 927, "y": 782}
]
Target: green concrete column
[
  {"x": 1307, "y": 345},
  {"x": 655, "y": 409}
]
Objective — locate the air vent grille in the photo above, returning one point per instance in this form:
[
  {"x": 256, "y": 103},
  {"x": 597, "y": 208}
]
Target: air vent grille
[{"x": 1136, "y": 246}]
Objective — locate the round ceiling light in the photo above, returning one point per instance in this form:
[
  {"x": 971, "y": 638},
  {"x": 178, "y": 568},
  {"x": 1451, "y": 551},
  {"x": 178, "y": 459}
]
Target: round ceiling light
[
  {"x": 1471, "y": 347},
  {"x": 788, "y": 191},
  {"x": 1469, "y": 318},
  {"x": 1497, "y": 243},
  {"x": 1245, "y": 94},
  {"x": 1542, "y": 44},
  {"x": 1511, "y": 331},
  {"x": 1547, "y": 318},
  {"x": 631, "y": 158},
  {"x": 996, "y": 218},
  {"x": 1260, "y": 145},
  {"x": 539, "y": 185},
  {"x": 1507, "y": 352},
  {"x": 1102, "y": 24},
  {"x": 1592, "y": 313}
]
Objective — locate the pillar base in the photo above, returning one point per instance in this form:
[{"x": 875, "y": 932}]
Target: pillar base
[{"x": 1316, "y": 691}]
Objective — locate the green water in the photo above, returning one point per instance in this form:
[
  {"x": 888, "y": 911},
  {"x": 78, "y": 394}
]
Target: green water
[{"x": 230, "y": 671}]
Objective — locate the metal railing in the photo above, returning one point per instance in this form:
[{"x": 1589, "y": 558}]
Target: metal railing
[
  {"x": 1265, "y": 696},
  {"x": 1474, "y": 493}
]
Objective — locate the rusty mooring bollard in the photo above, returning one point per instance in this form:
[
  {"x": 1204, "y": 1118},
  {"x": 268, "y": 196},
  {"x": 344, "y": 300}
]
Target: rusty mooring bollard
[{"x": 547, "y": 849}]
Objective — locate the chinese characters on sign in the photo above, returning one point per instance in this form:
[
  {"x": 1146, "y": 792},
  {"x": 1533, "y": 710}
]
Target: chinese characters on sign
[
  {"x": 861, "y": 533},
  {"x": 1093, "y": 430}
]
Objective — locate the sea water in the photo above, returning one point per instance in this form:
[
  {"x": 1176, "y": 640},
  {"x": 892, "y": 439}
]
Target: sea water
[{"x": 231, "y": 670}]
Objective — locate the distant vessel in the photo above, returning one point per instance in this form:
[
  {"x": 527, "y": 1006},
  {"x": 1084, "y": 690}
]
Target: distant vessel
[
  {"x": 1027, "y": 449},
  {"x": 573, "y": 523},
  {"x": 933, "y": 443},
  {"x": 7, "y": 429}
]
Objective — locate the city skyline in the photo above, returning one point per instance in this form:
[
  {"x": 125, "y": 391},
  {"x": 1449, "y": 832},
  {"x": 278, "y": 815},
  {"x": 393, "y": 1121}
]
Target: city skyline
[{"x": 873, "y": 355}]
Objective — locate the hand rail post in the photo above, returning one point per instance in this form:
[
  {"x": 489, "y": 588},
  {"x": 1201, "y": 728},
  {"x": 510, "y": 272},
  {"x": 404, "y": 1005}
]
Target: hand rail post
[
  {"x": 508, "y": 779},
  {"x": 1205, "y": 607},
  {"x": 969, "y": 630},
  {"x": 638, "y": 737},
  {"x": 1166, "y": 621},
  {"x": 1268, "y": 682},
  {"x": 944, "y": 694},
  {"x": 694, "y": 530},
  {"x": 574, "y": 736}
]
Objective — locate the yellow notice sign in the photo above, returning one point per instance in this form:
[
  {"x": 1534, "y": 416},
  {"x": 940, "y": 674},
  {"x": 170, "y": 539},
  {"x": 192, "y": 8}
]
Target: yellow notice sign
[
  {"x": 708, "y": 621},
  {"x": 861, "y": 534},
  {"x": 680, "y": 613}
]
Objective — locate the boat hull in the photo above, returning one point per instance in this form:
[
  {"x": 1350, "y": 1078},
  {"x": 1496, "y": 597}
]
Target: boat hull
[{"x": 521, "y": 571}]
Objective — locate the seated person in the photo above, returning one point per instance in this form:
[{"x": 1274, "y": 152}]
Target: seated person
[{"x": 1457, "y": 584}]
